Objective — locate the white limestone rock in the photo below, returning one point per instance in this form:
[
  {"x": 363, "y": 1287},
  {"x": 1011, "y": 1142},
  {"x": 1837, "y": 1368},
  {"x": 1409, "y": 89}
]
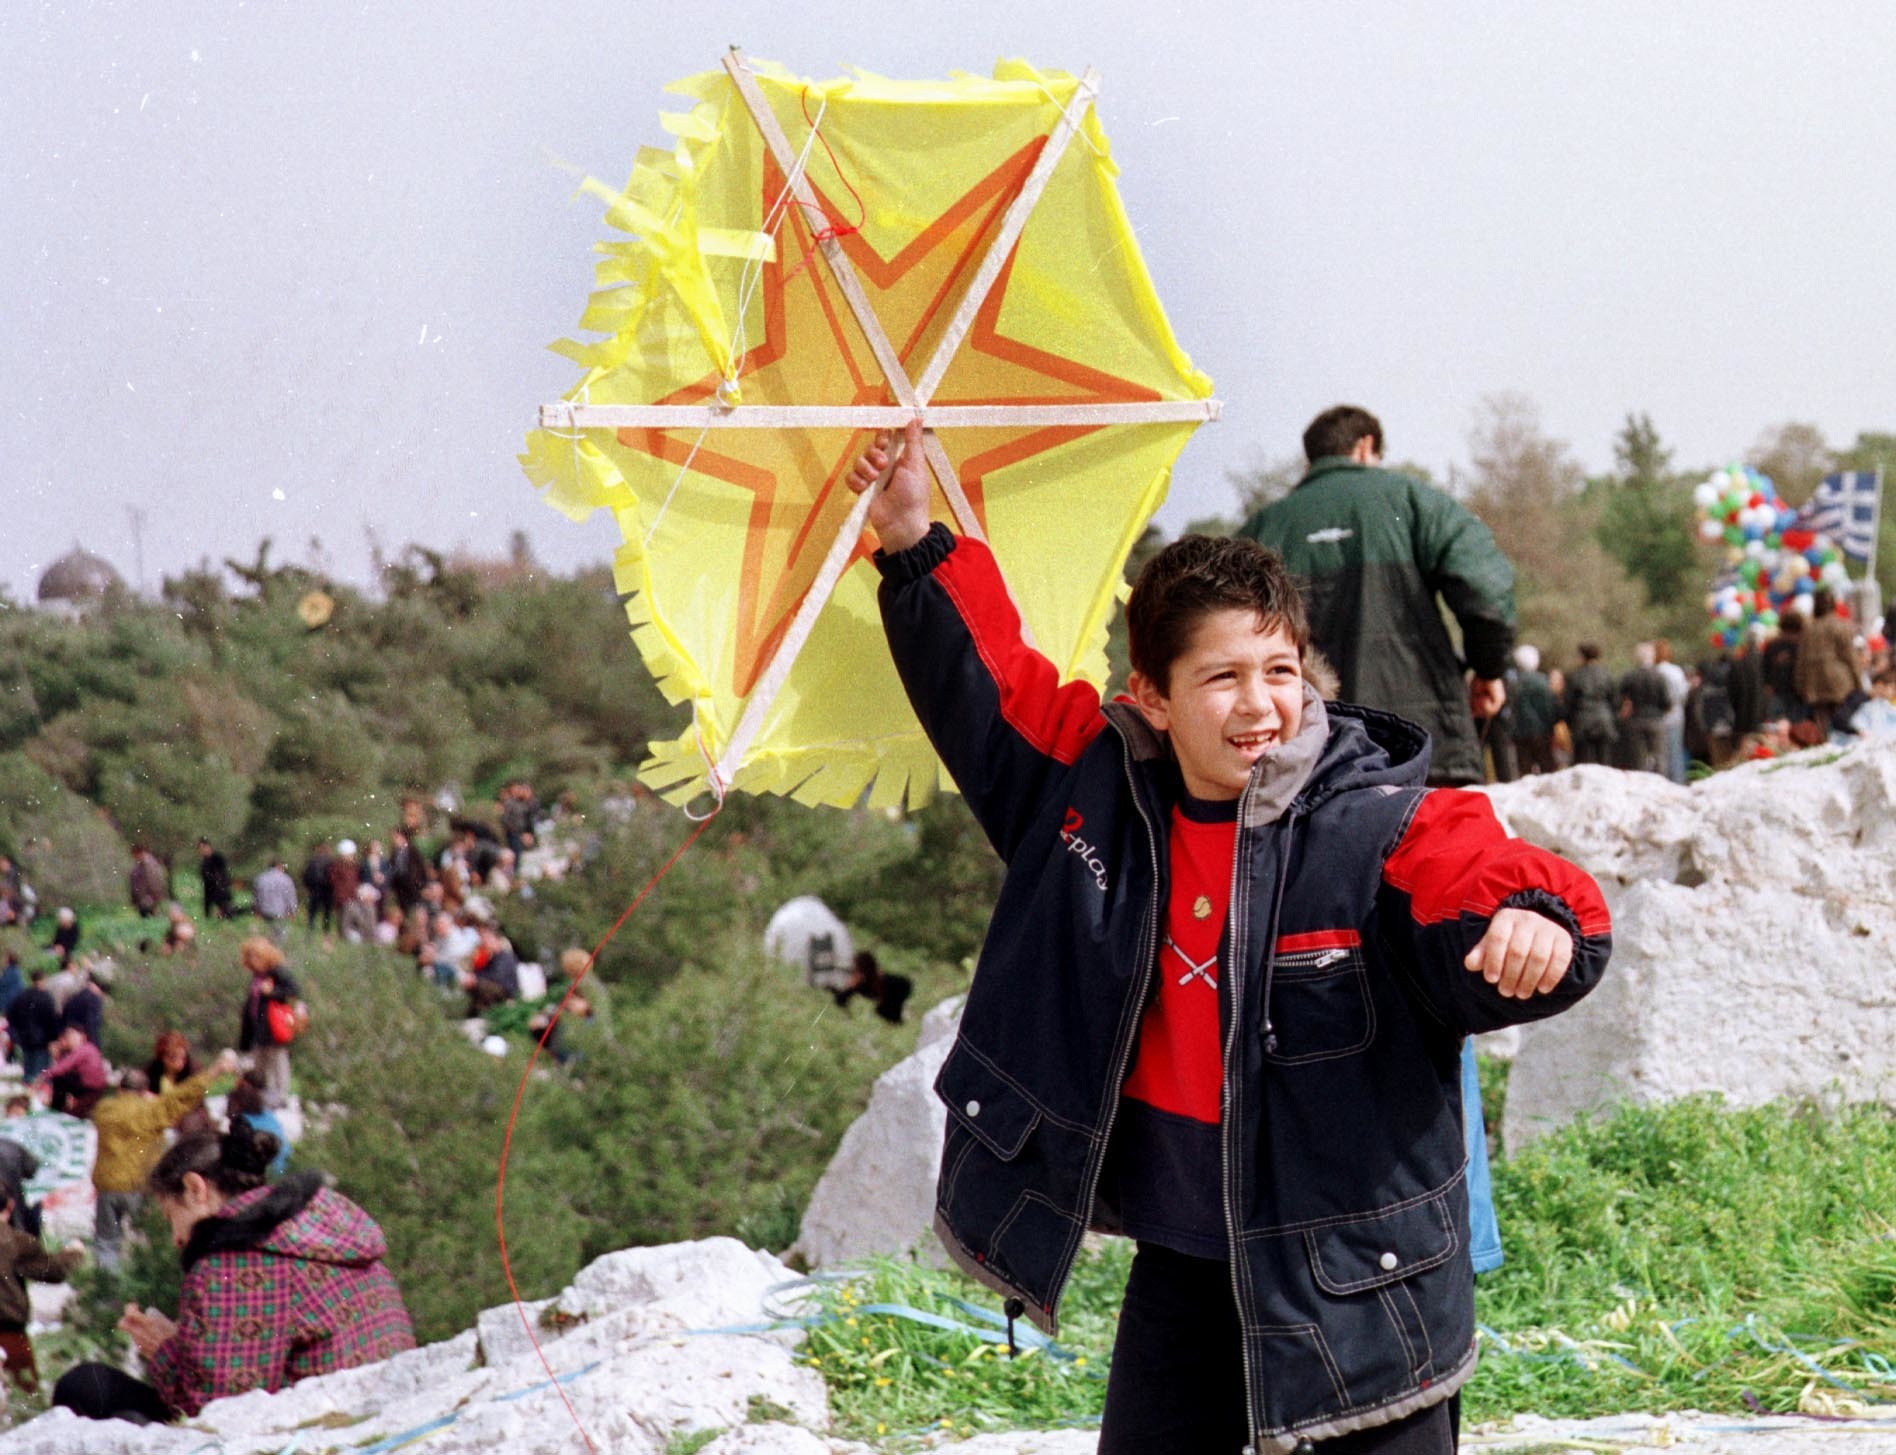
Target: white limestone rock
[
  {"x": 635, "y": 1400},
  {"x": 503, "y": 1337},
  {"x": 773, "y": 1438},
  {"x": 714, "y": 1283},
  {"x": 878, "y": 1193},
  {"x": 1752, "y": 914}
]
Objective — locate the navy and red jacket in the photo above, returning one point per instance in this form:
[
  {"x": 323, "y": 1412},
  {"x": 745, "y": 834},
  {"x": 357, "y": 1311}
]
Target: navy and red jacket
[{"x": 1344, "y": 1007}]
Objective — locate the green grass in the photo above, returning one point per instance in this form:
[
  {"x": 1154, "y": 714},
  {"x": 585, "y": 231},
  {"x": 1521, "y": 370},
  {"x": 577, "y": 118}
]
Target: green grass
[
  {"x": 894, "y": 1380},
  {"x": 1683, "y": 1256},
  {"x": 1717, "y": 1251}
]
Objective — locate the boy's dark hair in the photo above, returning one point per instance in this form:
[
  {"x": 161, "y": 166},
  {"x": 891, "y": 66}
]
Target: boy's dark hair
[
  {"x": 1589, "y": 652},
  {"x": 1337, "y": 429},
  {"x": 1196, "y": 576}
]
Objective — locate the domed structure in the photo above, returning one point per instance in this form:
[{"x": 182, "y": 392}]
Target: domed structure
[{"x": 76, "y": 580}]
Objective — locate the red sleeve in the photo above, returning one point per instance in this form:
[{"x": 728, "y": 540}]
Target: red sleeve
[
  {"x": 1055, "y": 718},
  {"x": 1452, "y": 870},
  {"x": 1455, "y": 859},
  {"x": 995, "y": 709}
]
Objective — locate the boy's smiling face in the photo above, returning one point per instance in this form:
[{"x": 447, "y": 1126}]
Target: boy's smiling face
[{"x": 1235, "y": 695}]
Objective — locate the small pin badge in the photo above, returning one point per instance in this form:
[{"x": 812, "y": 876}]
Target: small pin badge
[{"x": 1202, "y": 909}]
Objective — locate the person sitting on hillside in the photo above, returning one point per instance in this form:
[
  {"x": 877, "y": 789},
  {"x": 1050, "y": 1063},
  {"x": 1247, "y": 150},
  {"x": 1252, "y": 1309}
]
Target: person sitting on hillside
[
  {"x": 77, "y": 1077},
  {"x": 345, "y": 877},
  {"x": 85, "y": 1006},
  {"x": 180, "y": 934},
  {"x": 493, "y": 973},
  {"x": 562, "y": 998},
  {"x": 15, "y": 908},
  {"x": 357, "y": 920},
  {"x": 270, "y": 984},
  {"x": 1875, "y": 715},
  {"x": 148, "y": 883},
  {"x": 131, "y": 1124},
  {"x": 214, "y": 875},
  {"x": 273, "y": 897},
  {"x": 172, "y": 1065},
  {"x": 455, "y": 942},
  {"x": 22, "y": 1258},
  {"x": 12, "y": 981},
  {"x": 246, "y": 1101},
  {"x": 320, "y": 898},
  {"x": 18, "y": 1167},
  {"x": 33, "y": 1024},
  {"x": 889, "y": 993},
  {"x": 407, "y": 870},
  {"x": 280, "y": 1283},
  {"x": 65, "y": 934},
  {"x": 389, "y": 926}
]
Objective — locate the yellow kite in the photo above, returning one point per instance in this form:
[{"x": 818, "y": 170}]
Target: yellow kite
[{"x": 813, "y": 261}]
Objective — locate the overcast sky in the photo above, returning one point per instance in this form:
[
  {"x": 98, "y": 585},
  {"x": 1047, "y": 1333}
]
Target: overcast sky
[{"x": 289, "y": 269}]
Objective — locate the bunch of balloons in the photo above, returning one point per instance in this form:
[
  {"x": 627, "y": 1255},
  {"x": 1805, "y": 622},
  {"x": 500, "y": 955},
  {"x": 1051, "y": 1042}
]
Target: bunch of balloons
[{"x": 1772, "y": 565}]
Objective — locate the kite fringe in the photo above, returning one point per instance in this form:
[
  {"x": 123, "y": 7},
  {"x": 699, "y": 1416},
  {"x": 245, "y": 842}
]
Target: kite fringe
[{"x": 668, "y": 268}]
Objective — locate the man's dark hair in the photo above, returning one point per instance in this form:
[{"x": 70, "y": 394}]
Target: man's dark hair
[
  {"x": 1589, "y": 652},
  {"x": 1196, "y": 576},
  {"x": 1337, "y": 429},
  {"x": 1822, "y": 604}
]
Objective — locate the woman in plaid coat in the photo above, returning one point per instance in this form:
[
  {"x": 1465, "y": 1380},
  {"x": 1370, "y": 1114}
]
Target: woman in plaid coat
[{"x": 280, "y": 1282}]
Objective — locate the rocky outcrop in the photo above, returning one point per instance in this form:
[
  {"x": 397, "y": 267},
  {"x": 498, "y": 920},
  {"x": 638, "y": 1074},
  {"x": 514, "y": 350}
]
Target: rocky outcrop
[
  {"x": 1752, "y": 918},
  {"x": 643, "y": 1344},
  {"x": 878, "y": 1193}
]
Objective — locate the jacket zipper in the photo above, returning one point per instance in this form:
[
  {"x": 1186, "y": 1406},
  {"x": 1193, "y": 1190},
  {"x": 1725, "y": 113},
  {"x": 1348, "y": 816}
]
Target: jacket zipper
[
  {"x": 1234, "y": 976},
  {"x": 1124, "y": 1056},
  {"x": 1240, "y": 917}
]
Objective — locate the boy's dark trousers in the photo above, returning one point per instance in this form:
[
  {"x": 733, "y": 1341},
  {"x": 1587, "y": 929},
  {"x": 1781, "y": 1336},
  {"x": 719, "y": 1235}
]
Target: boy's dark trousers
[{"x": 1177, "y": 1380}]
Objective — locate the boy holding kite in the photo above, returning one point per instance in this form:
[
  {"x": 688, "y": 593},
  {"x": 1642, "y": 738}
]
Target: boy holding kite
[{"x": 1222, "y": 999}]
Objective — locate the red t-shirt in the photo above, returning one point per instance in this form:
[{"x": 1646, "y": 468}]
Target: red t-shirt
[
  {"x": 1179, "y": 1066},
  {"x": 1166, "y": 1160}
]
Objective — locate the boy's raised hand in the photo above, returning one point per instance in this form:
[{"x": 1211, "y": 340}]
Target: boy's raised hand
[
  {"x": 1523, "y": 954},
  {"x": 899, "y": 515}
]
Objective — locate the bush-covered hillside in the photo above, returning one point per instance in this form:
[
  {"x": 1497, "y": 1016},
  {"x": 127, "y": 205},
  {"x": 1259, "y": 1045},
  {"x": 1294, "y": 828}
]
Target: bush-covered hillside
[{"x": 221, "y": 713}]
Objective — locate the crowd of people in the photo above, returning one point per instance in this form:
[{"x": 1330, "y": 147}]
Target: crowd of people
[
  {"x": 1775, "y": 692},
  {"x": 224, "y": 1182}
]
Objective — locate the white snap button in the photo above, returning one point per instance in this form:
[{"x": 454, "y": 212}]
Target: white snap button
[
  {"x": 974, "y": 1108},
  {"x": 1388, "y": 1261}
]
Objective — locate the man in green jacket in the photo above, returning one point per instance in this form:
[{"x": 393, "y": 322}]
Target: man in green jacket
[{"x": 1373, "y": 551}]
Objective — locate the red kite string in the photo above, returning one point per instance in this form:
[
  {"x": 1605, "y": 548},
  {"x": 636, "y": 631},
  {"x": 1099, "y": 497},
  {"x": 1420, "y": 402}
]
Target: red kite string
[{"x": 500, "y": 1185}]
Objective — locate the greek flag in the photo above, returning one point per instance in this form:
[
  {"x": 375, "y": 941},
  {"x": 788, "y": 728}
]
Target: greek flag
[{"x": 1844, "y": 508}]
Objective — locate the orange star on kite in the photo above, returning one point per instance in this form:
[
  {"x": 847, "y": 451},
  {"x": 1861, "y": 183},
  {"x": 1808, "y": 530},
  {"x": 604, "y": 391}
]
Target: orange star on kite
[{"x": 810, "y": 337}]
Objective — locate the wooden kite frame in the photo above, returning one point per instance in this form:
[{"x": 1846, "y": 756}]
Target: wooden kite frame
[{"x": 912, "y": 397}]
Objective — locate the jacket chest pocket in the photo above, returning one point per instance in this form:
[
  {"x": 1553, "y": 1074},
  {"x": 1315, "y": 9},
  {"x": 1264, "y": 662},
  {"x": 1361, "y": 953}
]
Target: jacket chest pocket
[{"x": 1320, "y": 1003}]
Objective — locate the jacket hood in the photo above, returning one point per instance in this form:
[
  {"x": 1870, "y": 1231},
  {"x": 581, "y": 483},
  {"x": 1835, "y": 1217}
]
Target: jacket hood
[
  {"x": 297, "y": 1218},
  {"x": 1367, "y": 748}
]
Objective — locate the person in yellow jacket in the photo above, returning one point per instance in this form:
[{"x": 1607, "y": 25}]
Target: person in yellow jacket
[{"x": 131, "y": 1125}]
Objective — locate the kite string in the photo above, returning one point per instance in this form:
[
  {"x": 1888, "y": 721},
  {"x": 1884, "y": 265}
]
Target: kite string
[
  {"x": 832, "y": 229},
  {"x": 738, "y": 346},
  {"x": 506, "y": 1145},
  {"x": 1080, "y": 91}
]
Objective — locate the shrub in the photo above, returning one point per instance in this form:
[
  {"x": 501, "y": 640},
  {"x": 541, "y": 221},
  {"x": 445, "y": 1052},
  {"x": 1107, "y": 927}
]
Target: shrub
[{"x": 68, "y": 849}]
